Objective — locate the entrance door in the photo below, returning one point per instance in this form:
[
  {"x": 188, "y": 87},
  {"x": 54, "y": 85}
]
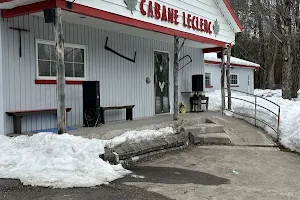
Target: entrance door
[
  {"x": 161, "y": 77},
  {"x": 248, "y": 89}
]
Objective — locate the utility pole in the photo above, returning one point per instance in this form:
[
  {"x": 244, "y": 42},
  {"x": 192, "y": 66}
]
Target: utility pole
[
  {"x": 223, "y": 81},
  {"x": 175, "y": 74},
  {"x": 228, "y": 77},
  {"x": 60, "y": 68}
]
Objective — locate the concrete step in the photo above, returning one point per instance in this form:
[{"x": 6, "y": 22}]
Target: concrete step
[
  {"x": 210, "y": 139},
  {"x": 204, "y": 129}
]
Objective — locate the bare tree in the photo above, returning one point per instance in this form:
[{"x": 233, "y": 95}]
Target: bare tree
[
  {"x": 61, "y": 94},
  {"x": 175, "y": 71}
]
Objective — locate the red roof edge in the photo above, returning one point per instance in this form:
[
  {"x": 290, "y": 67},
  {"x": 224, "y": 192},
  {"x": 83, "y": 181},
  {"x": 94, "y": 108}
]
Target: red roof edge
[
  {"x": 236, "y": 19},
  {"x": 4, "y": 1}
]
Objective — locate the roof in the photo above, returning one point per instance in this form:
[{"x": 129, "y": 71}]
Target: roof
[
  {"x": 223, "y": 5},
  {"x": 211, "y": 58},
  {"x": 232, "y": 17}
]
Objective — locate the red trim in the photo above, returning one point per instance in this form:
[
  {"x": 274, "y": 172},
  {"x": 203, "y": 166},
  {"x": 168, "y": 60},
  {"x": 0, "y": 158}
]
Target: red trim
[
  {"x": 210, "y": 50},
  {"x": 212, "y": 62},
  {"x": 232, "y": 64},
  {"x": 39, "y": 110},
  {"x": 93, "y": 12},
  {"x": 236, "y": 19},
  {"x": 5, "y": 1},
  {"x": 54, "y": 82},
  {"x": 28, "y": 9},
  {"x": 209, "y": 86}
]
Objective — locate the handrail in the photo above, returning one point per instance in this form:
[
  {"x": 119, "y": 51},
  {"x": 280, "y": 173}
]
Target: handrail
[
  {"x": 255, "y": 104},
  {"x": 254, "y": 118},
  {"x": 255, "y": 110},
  {"x": 255, "y": 96}
]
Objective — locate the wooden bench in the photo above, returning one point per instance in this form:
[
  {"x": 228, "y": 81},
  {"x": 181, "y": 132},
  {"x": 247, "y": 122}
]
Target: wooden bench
[
  {"x": 128, "y": 108},
  {"x": 17, "y": 116}
]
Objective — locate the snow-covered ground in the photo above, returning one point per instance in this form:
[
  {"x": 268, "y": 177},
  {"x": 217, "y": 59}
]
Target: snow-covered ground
[
  {"x": 64, "y": 161},
  {"x": 289, "y": 114}
]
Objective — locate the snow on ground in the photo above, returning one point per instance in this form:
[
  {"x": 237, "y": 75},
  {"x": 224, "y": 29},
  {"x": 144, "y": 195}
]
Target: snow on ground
[
  {"x": 64, "y": 161},
  {"x": 137, "y": 136},
  {"x": 289, "y": 116}
]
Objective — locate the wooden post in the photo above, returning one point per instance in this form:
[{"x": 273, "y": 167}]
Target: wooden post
[
  {"x": 175, "y": 74},
  {"x": 228, "y": 78},
  {"x": 60, "y": 84},
  {"x": 223, "y": 81}
]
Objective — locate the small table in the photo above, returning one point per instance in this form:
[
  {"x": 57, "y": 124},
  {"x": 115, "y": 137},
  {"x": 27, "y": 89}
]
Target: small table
[{"x": 197, "y": 101}]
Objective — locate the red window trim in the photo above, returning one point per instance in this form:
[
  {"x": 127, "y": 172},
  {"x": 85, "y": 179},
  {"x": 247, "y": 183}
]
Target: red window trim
[
  {"x": 49, "y": 82},
  {"x": 209, "y": 86}
]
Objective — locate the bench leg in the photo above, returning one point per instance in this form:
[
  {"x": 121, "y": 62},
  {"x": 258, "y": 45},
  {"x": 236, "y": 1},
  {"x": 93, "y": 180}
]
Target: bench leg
[
  {"x": 17, "y": 124},
  {"x": 102, "y": 116},
  {"x": 207, "y": 101},
  {"x": 129, "y": 114}
]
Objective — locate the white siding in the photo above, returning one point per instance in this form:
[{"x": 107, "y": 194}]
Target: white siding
[
  {"x": 206, "y": 9},
  {"x": 242, "y": 73},
  {"x": 121, "y": 81}
]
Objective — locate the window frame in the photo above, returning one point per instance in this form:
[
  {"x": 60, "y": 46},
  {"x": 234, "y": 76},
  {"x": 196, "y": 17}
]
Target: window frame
[
  {"x": 237, "y": 79},
  {"x": 48, "y": 42},
  {"x": 209, "y": 79}
]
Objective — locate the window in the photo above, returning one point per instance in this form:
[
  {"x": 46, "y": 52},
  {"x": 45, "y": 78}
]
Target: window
[
  {"x": 234, "y": 79},
  {"x": 75, "y": 60},
  {"x": 207, "y": 80}
]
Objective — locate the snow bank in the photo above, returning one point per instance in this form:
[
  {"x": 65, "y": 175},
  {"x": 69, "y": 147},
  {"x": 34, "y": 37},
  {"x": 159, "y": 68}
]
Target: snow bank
[
  {"x": 137, "y": 136},
  {"x": 289, "y": 118},
  {"x": 268, "y": 93},
  {"x": 64, "y": 161}
]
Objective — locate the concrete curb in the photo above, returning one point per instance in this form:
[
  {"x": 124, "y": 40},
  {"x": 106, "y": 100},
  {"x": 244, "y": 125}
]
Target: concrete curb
[{"x": 188, "y": 132}]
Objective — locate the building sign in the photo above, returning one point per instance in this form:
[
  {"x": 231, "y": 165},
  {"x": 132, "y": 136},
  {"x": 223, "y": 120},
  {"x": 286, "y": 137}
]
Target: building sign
[
  {"x": 167, "y": 14},
  {"x": 131, "y": 5}
]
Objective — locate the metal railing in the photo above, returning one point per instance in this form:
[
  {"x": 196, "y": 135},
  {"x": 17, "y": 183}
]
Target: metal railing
[{"x": 256, "y": 105}]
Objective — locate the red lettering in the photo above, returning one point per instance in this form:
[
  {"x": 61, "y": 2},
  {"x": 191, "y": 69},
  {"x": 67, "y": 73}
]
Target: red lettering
[
  {"x": 183, "y": 17},
  {"x": 209, "y": 28},
  {"x": 150, "y": 9},
  {"x": 189, "y": 21},
  {"x": 193, "y": 23},
  {"x": 205, "y": 25},
  {"x": 142, "y": 7},
  {"x": 164, "y": 14},
  {"x": 157, "y": 10},
  {"x": 171, "y": 15},
  {"x": 176, "y": 17},
  {"x": 201, "y": 24},
  {"x": 197, "y": 23}
]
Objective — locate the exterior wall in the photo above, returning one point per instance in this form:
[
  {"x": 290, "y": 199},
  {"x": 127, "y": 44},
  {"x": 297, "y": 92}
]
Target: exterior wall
[
  {"x": 206, "y": 9},
  {"x": 242, "y": 73},
  {"x": 121, "y": 81}
]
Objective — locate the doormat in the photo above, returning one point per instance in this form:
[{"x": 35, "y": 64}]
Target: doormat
[{"x": 52, "y": 130}]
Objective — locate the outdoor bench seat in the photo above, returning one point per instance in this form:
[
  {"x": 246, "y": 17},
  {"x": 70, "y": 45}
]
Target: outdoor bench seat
[
  {"x": 129, "y": 111},
  {"x": 17, "y": 116}
]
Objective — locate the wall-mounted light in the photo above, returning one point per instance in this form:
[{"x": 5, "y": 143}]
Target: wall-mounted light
[{"x": 69, "y": 4}]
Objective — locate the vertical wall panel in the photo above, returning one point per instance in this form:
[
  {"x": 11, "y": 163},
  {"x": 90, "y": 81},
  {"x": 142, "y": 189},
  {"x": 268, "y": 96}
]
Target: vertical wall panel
[{"x": 121, "y": 81}]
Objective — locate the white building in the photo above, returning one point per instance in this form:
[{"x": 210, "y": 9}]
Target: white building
[
  {"x": 241, "y": 73},
  {"x": 141, "y": 31}
]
